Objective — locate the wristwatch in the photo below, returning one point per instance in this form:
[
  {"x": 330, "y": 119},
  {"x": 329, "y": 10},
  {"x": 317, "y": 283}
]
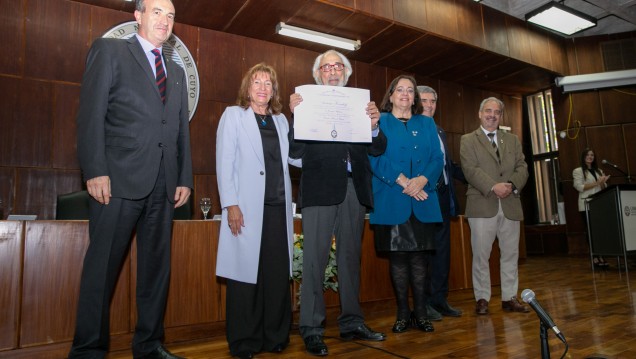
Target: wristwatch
[{"x": 514, "y": 188}]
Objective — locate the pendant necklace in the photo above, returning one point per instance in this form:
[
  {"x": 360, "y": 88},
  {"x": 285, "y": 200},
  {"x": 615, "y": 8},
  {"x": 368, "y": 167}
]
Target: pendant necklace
[{"x": 263, "y": 118}]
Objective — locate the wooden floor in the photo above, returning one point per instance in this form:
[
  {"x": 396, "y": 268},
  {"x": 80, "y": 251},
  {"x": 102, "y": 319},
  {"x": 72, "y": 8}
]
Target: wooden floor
[{"x": 595, "y": 312}]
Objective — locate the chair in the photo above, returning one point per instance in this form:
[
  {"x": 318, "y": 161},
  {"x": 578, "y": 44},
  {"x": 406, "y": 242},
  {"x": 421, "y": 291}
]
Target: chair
[
  {"x": 75, "y": 206},
  {"x": 72, "y": 205}
]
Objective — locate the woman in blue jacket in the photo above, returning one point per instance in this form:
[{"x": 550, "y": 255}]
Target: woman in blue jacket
[{"x": 406, "y": 209}]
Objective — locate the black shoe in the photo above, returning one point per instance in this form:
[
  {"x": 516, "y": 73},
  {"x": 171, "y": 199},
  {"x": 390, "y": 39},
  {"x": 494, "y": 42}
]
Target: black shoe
[
  {"x": 315, "y": 345},
  {"x": 363, "y": 333},
  {"x": 279, "y": 347},
  {"x": 446, "y": 310},
  {"x": 160, "y": 353},
  {"x": 245, "y": 355},
  {"x": 401, "y": 325},
  {"x": 421, "y": 324},
  {"x": 432, "y": 314}
]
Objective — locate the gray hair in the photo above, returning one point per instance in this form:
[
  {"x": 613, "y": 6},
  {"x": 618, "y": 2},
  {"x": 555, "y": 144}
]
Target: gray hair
[
  {"x": 316, "y": 72},
  {"x": 492, "y": 99},
  {"x": 427, "y": 89},
  {"x": 140, "y": 5}
]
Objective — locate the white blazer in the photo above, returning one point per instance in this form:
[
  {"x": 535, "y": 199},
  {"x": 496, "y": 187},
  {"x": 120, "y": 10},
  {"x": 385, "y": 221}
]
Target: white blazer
[
  {"x": 240, "y": 170},
  {"x": 579, "y": 182}
]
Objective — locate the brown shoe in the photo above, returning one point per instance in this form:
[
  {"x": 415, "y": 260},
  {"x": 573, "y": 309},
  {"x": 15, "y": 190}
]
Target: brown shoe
[
  {"x": 513, "y": 305},
  {"x": 482, "y": 307}
]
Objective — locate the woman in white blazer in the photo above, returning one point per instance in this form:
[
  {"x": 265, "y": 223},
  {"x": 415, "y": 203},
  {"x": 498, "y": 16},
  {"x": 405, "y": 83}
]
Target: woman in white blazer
[
  {"x": 589, "y": 179},
  {"x": 256, "y": 235}
]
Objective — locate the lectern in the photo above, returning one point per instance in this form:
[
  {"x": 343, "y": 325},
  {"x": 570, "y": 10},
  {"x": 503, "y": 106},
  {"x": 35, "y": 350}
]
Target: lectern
[{"x": 611, "y": 221}]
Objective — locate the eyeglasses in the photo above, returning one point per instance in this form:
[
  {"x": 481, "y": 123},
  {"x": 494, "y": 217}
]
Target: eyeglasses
[
  {"x": 407, "y": 90},
  {"x": 335, "y": 66}
]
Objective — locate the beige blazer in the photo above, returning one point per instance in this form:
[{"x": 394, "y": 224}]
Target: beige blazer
[
  {"x": 579, "y": 182},
  {"x": 483, "y": 170}
]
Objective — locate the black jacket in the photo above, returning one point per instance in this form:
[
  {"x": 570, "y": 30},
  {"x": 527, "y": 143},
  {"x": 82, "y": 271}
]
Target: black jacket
[{"x": 324, "y": 170}]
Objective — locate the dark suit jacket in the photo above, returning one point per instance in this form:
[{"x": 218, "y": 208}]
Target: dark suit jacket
[
  {"x": 324, "y": 170},
  {"x": 454, "y": 171},
  {"x": 123, "y": 128}
]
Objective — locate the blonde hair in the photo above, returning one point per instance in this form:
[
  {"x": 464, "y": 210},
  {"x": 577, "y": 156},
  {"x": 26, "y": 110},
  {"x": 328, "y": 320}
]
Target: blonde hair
[{"x": 274, "y": 105}]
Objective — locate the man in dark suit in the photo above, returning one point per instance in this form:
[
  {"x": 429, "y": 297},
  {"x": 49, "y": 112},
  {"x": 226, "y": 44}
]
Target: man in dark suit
[
  {"x": 134, "y": 151},
  {"x": 496, "y": 170},
  {"x": 437, "y": 276},
  {"x": 335, "y": 190}
]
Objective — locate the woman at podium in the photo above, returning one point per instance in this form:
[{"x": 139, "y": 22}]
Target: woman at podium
[{"x": 588, "y": 180}]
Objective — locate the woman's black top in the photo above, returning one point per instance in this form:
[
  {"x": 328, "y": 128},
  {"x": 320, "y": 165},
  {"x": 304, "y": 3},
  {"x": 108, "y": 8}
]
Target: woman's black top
[{"x": 274, "y": 178}]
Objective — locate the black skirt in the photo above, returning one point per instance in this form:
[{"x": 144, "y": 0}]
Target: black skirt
[{"x": 409, "y": 236}]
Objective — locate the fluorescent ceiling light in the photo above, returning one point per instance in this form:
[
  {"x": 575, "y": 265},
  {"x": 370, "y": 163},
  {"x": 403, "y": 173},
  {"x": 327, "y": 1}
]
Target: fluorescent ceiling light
[
  {"x": 597, "y": 80},
  {"x": 318, "y": 37},
  {"x": 558, "y": 17}
]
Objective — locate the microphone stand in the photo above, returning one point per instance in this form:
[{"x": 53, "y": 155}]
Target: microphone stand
[
  {"x": 545, "y": 347},
  {"x": 629, "y": 178}
]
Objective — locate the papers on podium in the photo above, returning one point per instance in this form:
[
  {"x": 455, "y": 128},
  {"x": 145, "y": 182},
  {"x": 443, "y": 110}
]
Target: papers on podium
[{"x": 332, "y": 113}]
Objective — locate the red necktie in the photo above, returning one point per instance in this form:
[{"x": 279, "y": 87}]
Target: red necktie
[{"x": 161, "y": 74}]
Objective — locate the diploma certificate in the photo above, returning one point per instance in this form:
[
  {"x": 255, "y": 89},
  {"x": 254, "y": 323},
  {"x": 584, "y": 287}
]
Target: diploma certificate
[{"x": 332, "y": 113}]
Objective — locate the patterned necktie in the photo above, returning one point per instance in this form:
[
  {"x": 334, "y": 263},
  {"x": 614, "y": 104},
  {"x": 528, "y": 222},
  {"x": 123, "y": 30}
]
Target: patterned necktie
[
  {"x": 160, "y": 74},
  {"x": 494, "y": 145}
]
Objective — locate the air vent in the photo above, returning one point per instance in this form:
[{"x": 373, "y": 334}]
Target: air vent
[{"x": 619, "y": 54}]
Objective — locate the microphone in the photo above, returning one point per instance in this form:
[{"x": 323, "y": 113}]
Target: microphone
[
  {"x": 606, "y": 162},
  {"x": 528, "y": 296}
]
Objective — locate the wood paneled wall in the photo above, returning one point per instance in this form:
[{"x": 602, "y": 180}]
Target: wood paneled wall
[
  {"x": 41, "y": 67},
  {"x": 42, "y": 63},
  {"x": 607, "y": 125}
]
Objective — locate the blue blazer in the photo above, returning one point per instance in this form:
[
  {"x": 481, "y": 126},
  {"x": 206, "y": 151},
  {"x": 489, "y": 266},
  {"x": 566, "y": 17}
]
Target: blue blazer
[{"x": 413, "y": 150}]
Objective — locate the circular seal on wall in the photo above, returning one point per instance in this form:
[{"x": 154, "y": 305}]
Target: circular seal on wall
[{"x": 174, "y": 49}]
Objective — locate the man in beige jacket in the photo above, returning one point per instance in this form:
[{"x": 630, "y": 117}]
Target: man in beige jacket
[{"x": 494, "y": 166}]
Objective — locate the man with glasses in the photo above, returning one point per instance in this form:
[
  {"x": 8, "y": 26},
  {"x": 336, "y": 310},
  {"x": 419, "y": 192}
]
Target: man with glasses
[
  {"x": 335, "y": 190},
  {"x": 495, "y": 168}
]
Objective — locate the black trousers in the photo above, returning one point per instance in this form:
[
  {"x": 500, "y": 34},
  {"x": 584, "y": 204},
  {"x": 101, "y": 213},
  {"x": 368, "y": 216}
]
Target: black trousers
[
  {"x": 111, "y": 227},
  {"x": 437, "y": 276},
  {"x": 259, "y": 316}
]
